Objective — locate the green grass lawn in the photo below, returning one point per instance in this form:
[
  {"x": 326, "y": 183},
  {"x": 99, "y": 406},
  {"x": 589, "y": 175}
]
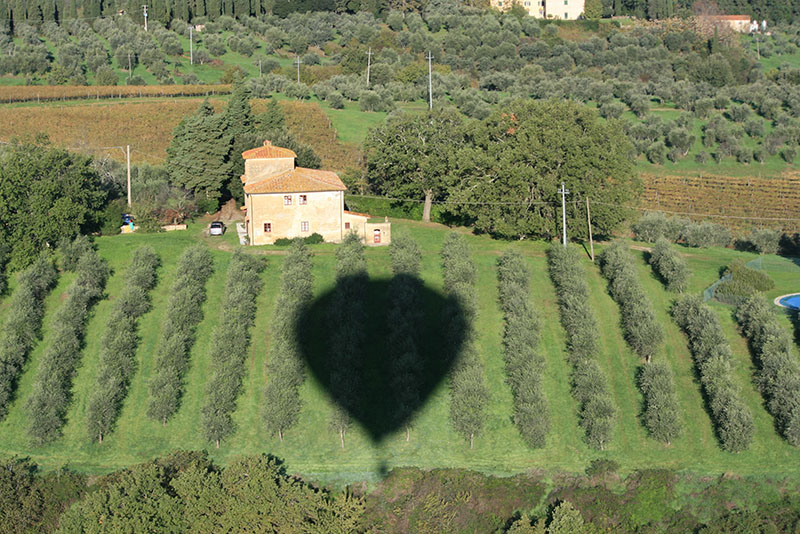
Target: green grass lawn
[{"x": 312, "y": 449}]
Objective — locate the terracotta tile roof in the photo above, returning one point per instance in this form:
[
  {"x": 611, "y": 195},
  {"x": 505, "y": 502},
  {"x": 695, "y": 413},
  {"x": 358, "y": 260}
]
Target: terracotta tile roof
[
  {"x": 297, "y": 180},
  {"x": 729, "y": 17},
  {"x": 367, "y": 215},
  {"x": 268, "y": 151}
]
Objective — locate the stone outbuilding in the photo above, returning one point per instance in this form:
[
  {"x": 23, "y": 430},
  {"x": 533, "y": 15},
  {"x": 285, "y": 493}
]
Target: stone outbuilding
[{"x": 286, "y": 201}]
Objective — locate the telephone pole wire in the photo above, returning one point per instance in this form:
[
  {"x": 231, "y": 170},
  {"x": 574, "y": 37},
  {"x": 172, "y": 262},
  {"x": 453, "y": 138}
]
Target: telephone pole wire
[
  {"x": 369, "y": 64},
  {"x": 297, "y": 62},
  {"x": 430, "y": 81},
  {"x": 563, "y": 192}
]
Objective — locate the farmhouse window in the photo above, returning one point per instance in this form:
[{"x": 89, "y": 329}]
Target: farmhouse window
[
  {"x": 346, "y": 226},
  {"x": 287, "y": 200},
  {"x": 566, "y": 15},
  {"x": 267, "y": 228},
  {"x": 303, "y": 199},
  {"x": 304, "y": 226}
]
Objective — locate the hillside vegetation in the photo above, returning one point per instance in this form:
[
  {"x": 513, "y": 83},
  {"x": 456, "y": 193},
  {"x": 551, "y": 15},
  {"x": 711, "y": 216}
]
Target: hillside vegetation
[{"x": 312, "y": 447}]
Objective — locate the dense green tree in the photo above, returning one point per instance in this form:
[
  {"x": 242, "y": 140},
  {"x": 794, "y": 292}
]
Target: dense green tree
[
  {"x": 411, "y": 156},
  {"x": 670, "y": 265},
  {"x": 198, "y": 156},
  {"x": 46, "y": 194},
  {"x": 516, "y": 160}
]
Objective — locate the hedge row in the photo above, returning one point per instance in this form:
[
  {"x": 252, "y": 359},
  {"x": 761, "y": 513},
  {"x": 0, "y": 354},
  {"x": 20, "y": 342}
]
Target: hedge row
[
  {"x": 23, "y": 324},
  {"x": 347, "y": 333},
  {"x": 469, "y": 396},
  {"x": 524, "y": 364},
  {"x": 653, "y": 225},
  {"x": 712, "y": 354},
  {"x": 184, "y": 312},
  {"x": 49, "y": 400},
  {"x": 642, "y": 331},
  {"x": 404, "y": 329},
  {"x": 670, "y": 266},
  {"x": 229, "y": 345},
  {"x": 778, "y": 368},
  {"x": 285, "y": 368},
  {"x": 645, "y": 336},
  {"x": 119, "y": 342},
  {"x": 589, "y": 384}
]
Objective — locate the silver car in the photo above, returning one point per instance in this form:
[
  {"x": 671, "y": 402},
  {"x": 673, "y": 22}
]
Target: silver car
[{"x": 216, "y": 228}]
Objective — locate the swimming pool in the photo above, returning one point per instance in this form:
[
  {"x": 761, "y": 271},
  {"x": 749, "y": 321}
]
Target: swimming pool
[{"x": 790, "y": 301}]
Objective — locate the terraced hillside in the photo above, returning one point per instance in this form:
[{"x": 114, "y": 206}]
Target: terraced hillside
[{"x": 312, "y": 448}]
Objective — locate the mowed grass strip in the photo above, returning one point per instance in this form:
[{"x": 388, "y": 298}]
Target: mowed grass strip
[{"x": 312, "y": 448}]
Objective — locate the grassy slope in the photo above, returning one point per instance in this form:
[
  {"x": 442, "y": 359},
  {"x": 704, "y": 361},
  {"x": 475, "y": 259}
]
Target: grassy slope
[{"x": 313, "y": 450}]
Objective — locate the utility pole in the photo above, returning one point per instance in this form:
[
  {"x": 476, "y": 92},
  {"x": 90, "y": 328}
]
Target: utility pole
[
  {"x": 128, "y": 157},
  {"x": 191, "y": 48},
  {"x": 144, "y": 9},
  {"x": 297, "y": 62},
  {"x": 589, "y": 221},
  {"x": 564, "y": 192},
  {"x": 430, "y": 82},
  {"x": 130, "y": 70},
  {"x": 369, "y": 64},
  {"x": 259, "y": 69}
]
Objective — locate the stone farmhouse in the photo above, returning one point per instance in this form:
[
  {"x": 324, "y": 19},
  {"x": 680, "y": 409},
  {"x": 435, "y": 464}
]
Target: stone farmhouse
[
  {"x": 286, "y": 201},
  {"x": 545, "y": 9}
]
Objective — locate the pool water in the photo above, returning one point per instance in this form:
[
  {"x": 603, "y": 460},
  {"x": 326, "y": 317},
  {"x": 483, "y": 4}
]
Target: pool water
[{"x": 791, "y": 301}]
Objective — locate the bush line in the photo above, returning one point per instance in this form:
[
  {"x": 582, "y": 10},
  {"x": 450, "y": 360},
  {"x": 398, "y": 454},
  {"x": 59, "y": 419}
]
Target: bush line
[
  {"x": 645, "y": 336},
  {"x": 285, "y": 367},
  {"x": 229, "y": 345},
  {"x": 23, "y": 324},
  {"x": 712, "y": 353},
  {"x": 670, "y": 266},
  {"x": 469, "y": 396},
  {"x": 524, "y": 365},
  {"x": 778, "y": 374},
  {"x": 184, "y": 312},
  {"x": 404, "y": 325},
  {"x": 589, "y": 384},
  {"x": 47, "y": 405},
  {"x": 347, "y": 333},
  {"x": 119, "y": 342}
]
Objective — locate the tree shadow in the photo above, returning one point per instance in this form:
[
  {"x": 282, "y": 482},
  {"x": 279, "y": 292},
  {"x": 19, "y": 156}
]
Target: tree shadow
[{"x": 371, "y": 394}]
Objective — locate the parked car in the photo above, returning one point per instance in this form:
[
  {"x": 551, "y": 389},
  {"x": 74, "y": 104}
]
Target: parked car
[{"x": 216, "y": 228}]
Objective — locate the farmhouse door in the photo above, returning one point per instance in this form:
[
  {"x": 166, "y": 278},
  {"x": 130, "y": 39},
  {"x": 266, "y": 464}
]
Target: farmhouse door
[{"x": 376, "y": 236}]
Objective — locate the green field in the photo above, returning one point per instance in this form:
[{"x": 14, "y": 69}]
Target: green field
[{"x": 312, "y": 449}]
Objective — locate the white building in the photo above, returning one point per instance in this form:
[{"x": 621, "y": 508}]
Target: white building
[{"x": 545, "y": 9}]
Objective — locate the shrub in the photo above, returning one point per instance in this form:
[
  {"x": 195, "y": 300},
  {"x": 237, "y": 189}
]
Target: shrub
[
  {"x": 713, "y": 359},
  {"x": 119, "y": 342},
  {"x": 589, "y": 385},
  {"x": 229, "y": 346},
  {"x": 653, "y": 225},
  {"x": 670, "y": 266},
  {"x": 313, "y": 239},
  {"x": 523, "y": 363},
  {"x": 705, "y": 235},
  {"x": 661, "y": 413},
  {"x": 184, "y": 312},
  {"x": 765, "y": 241},
  {"x": 778, "y": 375}
]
